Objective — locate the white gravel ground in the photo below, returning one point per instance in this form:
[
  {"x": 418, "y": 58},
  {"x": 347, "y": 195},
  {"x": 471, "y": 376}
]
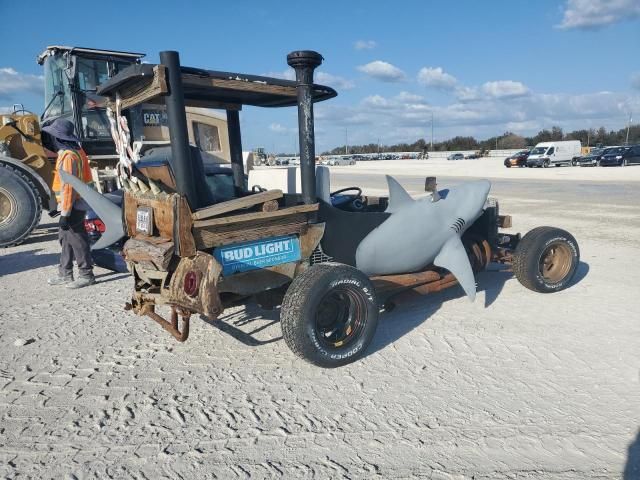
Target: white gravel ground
[{"x": 517, "y": 385}]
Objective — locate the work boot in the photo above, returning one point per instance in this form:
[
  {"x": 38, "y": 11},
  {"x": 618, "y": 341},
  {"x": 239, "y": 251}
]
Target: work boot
[
  {"x": 60, "y": 280},
  {"x": 82, "y": 282}
]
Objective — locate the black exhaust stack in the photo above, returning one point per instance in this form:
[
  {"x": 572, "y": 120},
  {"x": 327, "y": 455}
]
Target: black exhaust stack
[
  {"x": 304, "y": 62},
  {"x": 178, "y": 133}
]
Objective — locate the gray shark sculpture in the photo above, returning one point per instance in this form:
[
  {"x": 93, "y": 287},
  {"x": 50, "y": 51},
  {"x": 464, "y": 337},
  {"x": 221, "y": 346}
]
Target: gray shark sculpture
[
  {"x": 109, "y": 213},
  {"x": 425, "y": 231}
]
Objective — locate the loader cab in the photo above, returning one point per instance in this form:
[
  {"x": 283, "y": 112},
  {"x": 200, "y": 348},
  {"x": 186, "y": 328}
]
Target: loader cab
[{"x": 72, "y": 75}]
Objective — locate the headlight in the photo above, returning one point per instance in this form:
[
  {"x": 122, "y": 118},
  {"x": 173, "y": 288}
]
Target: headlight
[{"x": 618, "y": 157}]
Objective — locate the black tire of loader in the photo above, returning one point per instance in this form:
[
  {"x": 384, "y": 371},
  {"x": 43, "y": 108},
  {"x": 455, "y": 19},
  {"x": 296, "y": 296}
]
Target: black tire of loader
[
  {"x": 27, "y": 204},
  {"x": 529, "y": 252},
  {"x": 300, "y": 307}
]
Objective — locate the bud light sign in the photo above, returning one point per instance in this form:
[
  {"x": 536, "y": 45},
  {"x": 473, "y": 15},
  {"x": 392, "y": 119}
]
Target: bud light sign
[{"x": 241, "y": 257}]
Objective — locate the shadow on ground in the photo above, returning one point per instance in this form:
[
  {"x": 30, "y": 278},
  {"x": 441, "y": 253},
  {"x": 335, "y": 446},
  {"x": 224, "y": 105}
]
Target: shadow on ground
[
  {"x": 23, "y": 261},
  {"x": 412, "y": 310},
  {"x": 43, "y": 233},
  {"x": 632, "y": 467}
]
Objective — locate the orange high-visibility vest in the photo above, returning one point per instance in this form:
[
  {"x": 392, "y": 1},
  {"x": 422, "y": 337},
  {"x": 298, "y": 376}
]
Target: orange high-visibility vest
[{"x": 76, "y": 163}]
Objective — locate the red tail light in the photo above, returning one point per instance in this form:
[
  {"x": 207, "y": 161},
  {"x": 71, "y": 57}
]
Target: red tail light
[
  {"x": 95, "y": 225},
  {"x": 191, "y": 283}
]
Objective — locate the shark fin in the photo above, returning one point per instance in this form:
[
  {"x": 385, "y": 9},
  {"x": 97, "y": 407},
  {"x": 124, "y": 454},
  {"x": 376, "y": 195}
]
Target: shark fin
[
  {"x": 454, "y": 258},
  {"x": 109, "y": 212},
  {"x": 398, "y": 196}
]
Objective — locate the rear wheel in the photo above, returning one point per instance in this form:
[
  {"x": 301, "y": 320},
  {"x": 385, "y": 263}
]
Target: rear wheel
[
  {"x": 329, "y": 314},
  {"x": 20, "y": 206},
  {"x": 546, "y": 259}
]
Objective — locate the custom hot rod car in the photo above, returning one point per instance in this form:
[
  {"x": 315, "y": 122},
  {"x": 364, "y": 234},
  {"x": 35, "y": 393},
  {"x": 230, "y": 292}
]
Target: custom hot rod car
[{"x": 337, "y": 257}]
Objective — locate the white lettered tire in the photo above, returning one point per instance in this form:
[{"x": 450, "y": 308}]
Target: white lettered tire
[{"x": 329, "y": 314}]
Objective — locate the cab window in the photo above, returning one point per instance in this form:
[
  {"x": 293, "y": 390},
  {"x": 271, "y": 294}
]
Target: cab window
[
  {"x": 550, "y": 151},
  {"x": 206, "y": 137}
]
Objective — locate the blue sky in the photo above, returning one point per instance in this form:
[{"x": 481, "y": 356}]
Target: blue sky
[{"x": 480, "y": 68}]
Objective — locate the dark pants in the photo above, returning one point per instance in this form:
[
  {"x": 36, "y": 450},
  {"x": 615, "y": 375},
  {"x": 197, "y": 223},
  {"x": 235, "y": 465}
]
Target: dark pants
[{"x": 75, "y": 245}]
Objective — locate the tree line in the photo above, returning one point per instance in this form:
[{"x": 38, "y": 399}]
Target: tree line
[{"x": 506, "y": 141}]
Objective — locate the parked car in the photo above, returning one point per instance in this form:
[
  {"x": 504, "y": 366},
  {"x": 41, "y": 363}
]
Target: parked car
[
  {"x": 518, "y": 159},
  {"x": 621, "y": 156},
  {"x": 472, "y": 156},
  {"x": 591, "y": 159},
  {"x": 336, "y": 161},
  {"x": 558, "y": 153},
  {"x": 455, "y": 156}
]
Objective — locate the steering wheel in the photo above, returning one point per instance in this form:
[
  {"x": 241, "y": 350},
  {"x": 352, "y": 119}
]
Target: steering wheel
[
  {"x": 348, "y": 189},
  {"x": 351, "y": 201}
]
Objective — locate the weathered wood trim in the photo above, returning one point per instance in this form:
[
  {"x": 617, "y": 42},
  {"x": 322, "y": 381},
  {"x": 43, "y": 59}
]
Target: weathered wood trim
[
  {"x": 236, "y": 204},
  {"x": 145, "y": 90},
  {"x": 208, "y": 237},
  {"x": 159, "y": 253},
  {"x": 258, "y": 216}
]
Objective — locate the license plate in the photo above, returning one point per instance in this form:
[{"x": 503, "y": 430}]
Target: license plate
[
  {"x": 242, "y": 257},
  {"x": 144, "y": 220}
]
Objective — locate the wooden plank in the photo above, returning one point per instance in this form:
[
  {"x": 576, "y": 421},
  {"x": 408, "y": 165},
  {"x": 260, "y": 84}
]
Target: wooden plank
[
  {"x": 155, "y": 87},
  {"x": 247, "y": 217},
  {"x": 233, "y": 84},
  {"x": 236, "y": 204},
  {"x": 184, "y": 229},
  {"x": 208, "y": 237},
  {"x": 163, "y": 212},
  {"x": 158, "y": 253}
]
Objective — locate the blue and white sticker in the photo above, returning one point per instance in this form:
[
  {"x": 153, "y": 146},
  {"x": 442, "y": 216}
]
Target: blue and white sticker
[{"x": 242, "y": 257}]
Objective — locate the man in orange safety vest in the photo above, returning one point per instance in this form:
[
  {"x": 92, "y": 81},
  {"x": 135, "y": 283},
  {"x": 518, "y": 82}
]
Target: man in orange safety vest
[{"x": 60, "y": 137}]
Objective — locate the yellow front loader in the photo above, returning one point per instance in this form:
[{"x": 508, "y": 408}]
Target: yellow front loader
[{"x": 26, "y": 175}]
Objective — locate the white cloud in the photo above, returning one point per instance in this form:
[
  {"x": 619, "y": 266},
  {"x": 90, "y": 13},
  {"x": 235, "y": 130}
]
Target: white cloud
[
  {"x": 437, "y": 78},
  {"x": 288, "y": 74},
  {"x": 598, "y": 13},
  {"x": 383, "y": 71},
  {"x": 365, "y": 45},
  {"x": 635, "y": 80},
  {"x": 278, "y": 128},
  {"x": 323, "y": 78},
  {"x": 505, "y": 89},
  {"x": 407, "y": 97},
  {"x": 13, "y": 82},
  {"x": 394, "y": 120},
  {"x": 334, "y": 81},
  {"x": 467, "y": 94}
]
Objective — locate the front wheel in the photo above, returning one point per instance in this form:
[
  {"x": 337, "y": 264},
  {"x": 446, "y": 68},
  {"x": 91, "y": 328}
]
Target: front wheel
[
  {"x": 20, "y": 206},
  {"x": 545, "y": 164},
  {"x": 546, "y": 259},
  {"x": 329, "y": 314}
]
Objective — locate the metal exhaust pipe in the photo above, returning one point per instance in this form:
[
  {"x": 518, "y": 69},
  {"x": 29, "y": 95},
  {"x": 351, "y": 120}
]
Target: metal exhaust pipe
[{"x": 304, "y": 62}]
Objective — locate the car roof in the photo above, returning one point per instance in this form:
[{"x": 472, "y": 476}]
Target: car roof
[{"x": 206, "y": 88}]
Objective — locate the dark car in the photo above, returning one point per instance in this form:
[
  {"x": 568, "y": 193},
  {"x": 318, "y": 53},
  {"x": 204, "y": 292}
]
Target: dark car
[
  {"x": 518, "y": 159},
  {"x": 592, "y": 159},
  {"x": 621, "y": 156},
  {"x": 219, "y": 183}
]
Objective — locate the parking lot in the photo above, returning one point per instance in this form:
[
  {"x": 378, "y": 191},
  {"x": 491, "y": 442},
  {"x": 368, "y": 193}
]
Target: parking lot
[{"x": 515, "y": 385}]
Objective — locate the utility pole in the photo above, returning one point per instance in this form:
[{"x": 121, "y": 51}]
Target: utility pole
[
  {"x": 378, "y": 145},
  {"x": 346, "y": 142},
  {"x": 431, "y": 132},
  {"x": 626, "y": 142}
]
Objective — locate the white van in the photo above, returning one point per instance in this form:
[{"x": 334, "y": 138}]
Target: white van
[{"x": 546, "y": 154}]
